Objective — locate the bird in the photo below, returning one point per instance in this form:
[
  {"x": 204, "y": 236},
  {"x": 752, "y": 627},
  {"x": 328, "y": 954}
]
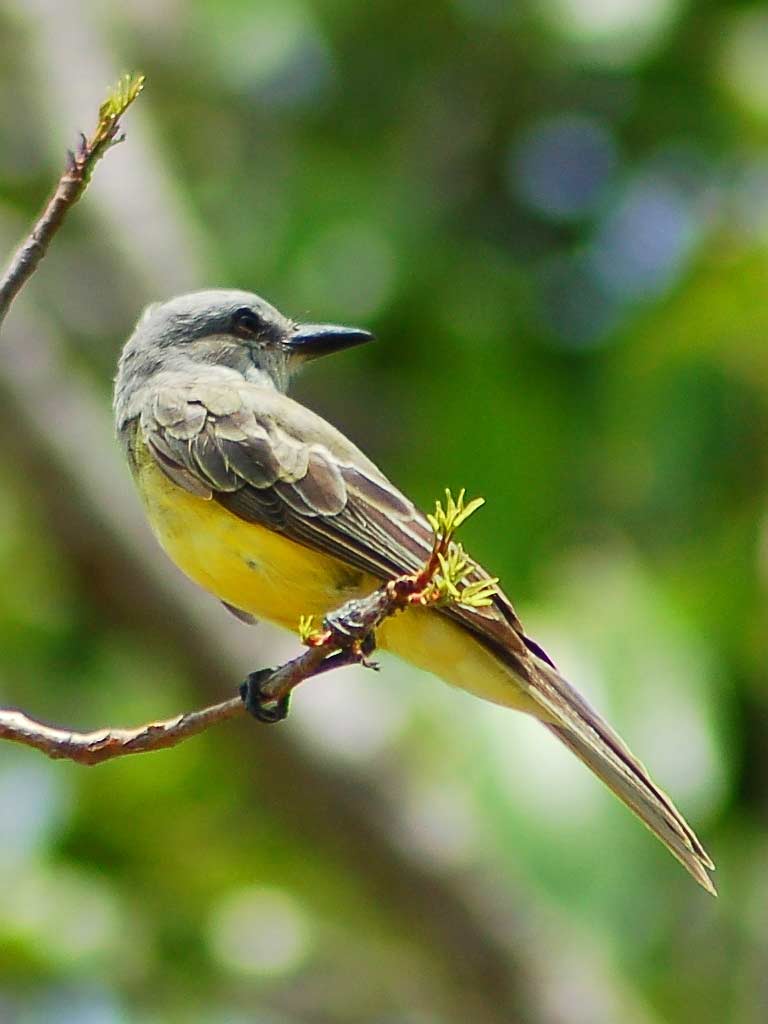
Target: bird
[{"x": 271, "y": 509}]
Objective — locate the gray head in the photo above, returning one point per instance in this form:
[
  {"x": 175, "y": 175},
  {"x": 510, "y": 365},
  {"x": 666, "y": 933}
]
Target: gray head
[{"x": 234, "y": 330}]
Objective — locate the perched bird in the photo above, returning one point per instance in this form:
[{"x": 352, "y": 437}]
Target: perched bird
[{"x": 271, "y": 509}]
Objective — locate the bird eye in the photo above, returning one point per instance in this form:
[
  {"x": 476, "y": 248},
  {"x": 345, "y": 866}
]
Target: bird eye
[{"x": 246, "y": 323}]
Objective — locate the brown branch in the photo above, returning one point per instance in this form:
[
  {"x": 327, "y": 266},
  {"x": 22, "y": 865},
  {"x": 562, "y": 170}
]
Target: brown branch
[
  {"x": 73, "y": 182},
  {"x": 347, "y": 638},
  {"x": 106, "y": 744}
]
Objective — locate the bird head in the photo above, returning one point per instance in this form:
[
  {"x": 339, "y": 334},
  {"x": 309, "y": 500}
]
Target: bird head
[{"x": 233, "y": 329}]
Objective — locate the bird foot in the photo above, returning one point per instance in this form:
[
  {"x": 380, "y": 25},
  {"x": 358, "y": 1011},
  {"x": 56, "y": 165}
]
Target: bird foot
[{"x": 263, "y": 707}]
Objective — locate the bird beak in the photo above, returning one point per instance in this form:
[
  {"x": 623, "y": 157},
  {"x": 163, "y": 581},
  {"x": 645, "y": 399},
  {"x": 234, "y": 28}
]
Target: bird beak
[{"x": 309, "y": 341}]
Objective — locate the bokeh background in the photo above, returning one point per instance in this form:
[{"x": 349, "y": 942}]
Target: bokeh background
[{"x": 554, "y": 215}]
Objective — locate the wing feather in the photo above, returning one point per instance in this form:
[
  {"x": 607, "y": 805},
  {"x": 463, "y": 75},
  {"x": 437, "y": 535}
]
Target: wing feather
[{"x": 253, "y": 460}]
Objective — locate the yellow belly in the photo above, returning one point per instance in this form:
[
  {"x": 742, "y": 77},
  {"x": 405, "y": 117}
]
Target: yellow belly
[{"x": 261, "y": 572}]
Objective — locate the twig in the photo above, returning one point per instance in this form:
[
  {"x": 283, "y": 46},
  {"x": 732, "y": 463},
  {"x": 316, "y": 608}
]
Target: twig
[
  {"x": 106, "y": 744},
  {"x": 347, "y": 637},
  {"x": 73, "y": 182}
]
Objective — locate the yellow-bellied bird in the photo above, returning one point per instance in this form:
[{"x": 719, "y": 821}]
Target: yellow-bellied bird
[{"x": 277, "y": 514}]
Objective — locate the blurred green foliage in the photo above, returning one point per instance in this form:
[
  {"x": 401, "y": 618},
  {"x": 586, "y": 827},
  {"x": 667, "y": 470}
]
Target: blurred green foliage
[{"x": 553, "y": 214}]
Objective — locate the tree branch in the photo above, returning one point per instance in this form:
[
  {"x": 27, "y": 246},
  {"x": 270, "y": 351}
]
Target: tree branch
[
  {"x": 106, "y": 744},
  {"x": 347, "y": 637},
  {"x": 73, "y": 182}
]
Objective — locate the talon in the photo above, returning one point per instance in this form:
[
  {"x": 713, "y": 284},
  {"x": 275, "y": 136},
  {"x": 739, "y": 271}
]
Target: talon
[
  {"x": 344, "y": 621},
  {"x": 263, "y": 709}
]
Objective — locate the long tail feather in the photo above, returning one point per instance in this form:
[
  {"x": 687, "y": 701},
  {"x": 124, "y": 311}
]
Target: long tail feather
[{"x": 592, "y": 740}]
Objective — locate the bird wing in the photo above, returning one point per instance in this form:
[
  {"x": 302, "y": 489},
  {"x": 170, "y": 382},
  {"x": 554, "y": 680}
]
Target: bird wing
[{"x": 247, "y": 448}]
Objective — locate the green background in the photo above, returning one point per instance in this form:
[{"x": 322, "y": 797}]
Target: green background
[{"x": 554, "y": 216}]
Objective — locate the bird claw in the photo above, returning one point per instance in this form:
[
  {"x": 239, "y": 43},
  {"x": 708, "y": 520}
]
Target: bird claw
[
  {"x": 365, "y": 649},
  {"x": 264, "y": 708},
  {"x": 345, "y": 622}
]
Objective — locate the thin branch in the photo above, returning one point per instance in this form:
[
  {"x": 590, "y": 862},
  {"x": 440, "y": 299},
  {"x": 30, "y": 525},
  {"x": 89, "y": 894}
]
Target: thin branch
[
  {"x": 106, "y": 744},
  {"x": 347, "y": 637},
  {"x": 73, "y": 182}
]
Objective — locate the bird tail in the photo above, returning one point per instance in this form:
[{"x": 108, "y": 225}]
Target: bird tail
[
  {"x": 592, "y": 740},
  {"x": 523, "y": 678}
]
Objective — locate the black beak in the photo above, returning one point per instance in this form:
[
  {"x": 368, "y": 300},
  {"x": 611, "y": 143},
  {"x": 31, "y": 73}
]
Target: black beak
[{"x": 309, "y": 341}]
